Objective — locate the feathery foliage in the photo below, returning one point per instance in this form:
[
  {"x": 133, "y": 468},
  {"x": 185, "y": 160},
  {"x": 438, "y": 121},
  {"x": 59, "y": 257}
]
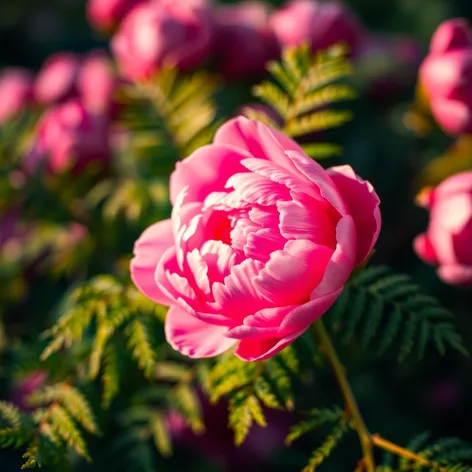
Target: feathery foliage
[
  {"x": 54, "y": 427},
  {"x": 171, "y": 112},
  {"x": 304, "y": 93},
  {"x": 250, "y": 386},
  {"x": 381, "y": 309},
  {"x": 443, "y": 455},
  {"x": 103, "y": 308}
]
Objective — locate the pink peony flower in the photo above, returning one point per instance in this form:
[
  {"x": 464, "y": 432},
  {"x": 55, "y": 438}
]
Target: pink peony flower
[
  {"x": 318, "y": 23},
  {"x": 57, "y": 79},
  {"x": 261, "y": 242},
  {"x": 16, "y": 92},
  {"x": 90, "y": 78},
  {"x": 446, "y": 76},
  {"x": 446, "y": 242},
  {"x": 96, "y": 82},
  {"x": 244, "y": 40},
  {"x": 106, "y": 14},
  {"x": 69, "y": 137},
  {"x": 160, "y": 32}
]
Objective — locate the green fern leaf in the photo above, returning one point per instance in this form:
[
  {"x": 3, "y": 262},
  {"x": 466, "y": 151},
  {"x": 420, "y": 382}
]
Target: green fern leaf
[
  {"x": 382, "y": 309},
  {"x": 326, "y": 448},
  {"x": 161, "y": 435},
  {"x": 10, "y": 414},
  {"x": 304, "y": 87},
  {"x": 315, "y": 419},
  {"x": 67, "y": 430},
  {"x": 110, "y": 376},
  {"x": 139, "y": 342},
  {"x": 244, "y": 409}
]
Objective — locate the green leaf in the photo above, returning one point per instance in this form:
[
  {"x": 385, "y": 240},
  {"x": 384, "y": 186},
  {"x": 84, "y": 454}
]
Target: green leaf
[{"x": 384, "y": 309}]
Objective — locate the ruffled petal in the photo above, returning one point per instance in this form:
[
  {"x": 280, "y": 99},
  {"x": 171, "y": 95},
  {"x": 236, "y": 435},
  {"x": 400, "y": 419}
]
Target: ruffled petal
[
  {"x": 453, "y": 116},
  {"x": 304, "y": 315},
  {"x": 292, "y": 273},
  {"x": 261, "y": 349},
  {"x": 193, "y": 337},
  {"x": 262, "y": 325},
  {"x": 148, "y": 251},
  {"x": 205, "y": 171},
  {"x": 456, "y": 274},
  {"x": 363, "y": 204},
  {"x": 342, "y": 261},
  {"x": 424, "y": 249},
  {"x": 258, "y": 140},
  {"x": 317, "y": 175}
]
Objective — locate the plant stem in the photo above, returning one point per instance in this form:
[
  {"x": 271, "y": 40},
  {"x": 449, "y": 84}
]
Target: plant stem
[
  {"x": 327, "y": 348},
  {"x": 402, "y": 452}
]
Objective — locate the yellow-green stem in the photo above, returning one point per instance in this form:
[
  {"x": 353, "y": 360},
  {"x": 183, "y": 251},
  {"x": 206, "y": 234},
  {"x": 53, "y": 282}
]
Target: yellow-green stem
[
  {"x": 326, "y": 347},
  {"x": 402, "y": 452}
]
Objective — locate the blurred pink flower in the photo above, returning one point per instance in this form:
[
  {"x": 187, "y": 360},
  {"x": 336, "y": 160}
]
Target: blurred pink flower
[
  {"x": 446, "y": 242},
  {"x": 318, "y": 23},
  {"x": 260, "y": 244},
  {"x": 160, "y": 32},
  {"x": 89, "y": 77},
  {"x": 69, "y": 137},
  {"x": 57, "y": 79},
  {"x": 107, "y": 14},
  {"x": 16, "y": 92},
  {"x": 244, "y": 40},
  {"x": 25, "y": 387},
  {"x": 446, "y": 76},
  {"x": 96, "y": 82}
]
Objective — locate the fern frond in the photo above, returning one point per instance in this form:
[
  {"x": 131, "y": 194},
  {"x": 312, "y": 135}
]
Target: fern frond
[
  {"x": 66, "y": 429},
  {"x": 381, "y": 309},
  {"x": 326, "y": 448},
  {"x": 315, "y": 419},
  {"x": 160, "y": 434},
  {"x": 446, "y": 454},
  {"x": 110, "y": 376},
  {"x": 185, "y": 399},
  {"x": 181, "y": 109},
  {"x": 304, "y": 87},
  {"x": 140, "y": 345},
  {"x": 31, "y": 456},
  {"x": 10, "y": 414},
  {"x": 244, "y": 409}
]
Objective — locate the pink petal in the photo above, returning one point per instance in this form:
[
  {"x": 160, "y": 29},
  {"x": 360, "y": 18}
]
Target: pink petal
[
  {"x": 456, "y": 274},
  {"x": 262, "y": 243},
  {"x": 237, "y": 297},
  {"x": 453, "y": 116},
  {"x": 363, "y": 205},
  {"x": 262, "y": 325},
  {"x": 458, "y": 183},
  {"x": 313, "y": 171},
  {"x": 148, "y": 251},
  {"x": 261, "y": 349},
  {"x": 308, "y": 220},
  {"x": 257, "y": 139},
  {"x": 342, "y": 261},
  {"x": 193, "y": 337},
  {"x": 304, "y": 315},
  {"x": 451, "y": 34},
  {"x": 254, "y": 189},
  {"x": 292, "y": 273},
  {"x": 205, "y": 171},
  {"x": 424, "y": 249}
]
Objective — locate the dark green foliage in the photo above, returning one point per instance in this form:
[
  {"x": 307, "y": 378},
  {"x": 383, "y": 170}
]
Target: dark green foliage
[
  {"x": 306, "y": 86},
  {"x": 444, "y": 455},
  {"x": 382, "y": 309}
]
